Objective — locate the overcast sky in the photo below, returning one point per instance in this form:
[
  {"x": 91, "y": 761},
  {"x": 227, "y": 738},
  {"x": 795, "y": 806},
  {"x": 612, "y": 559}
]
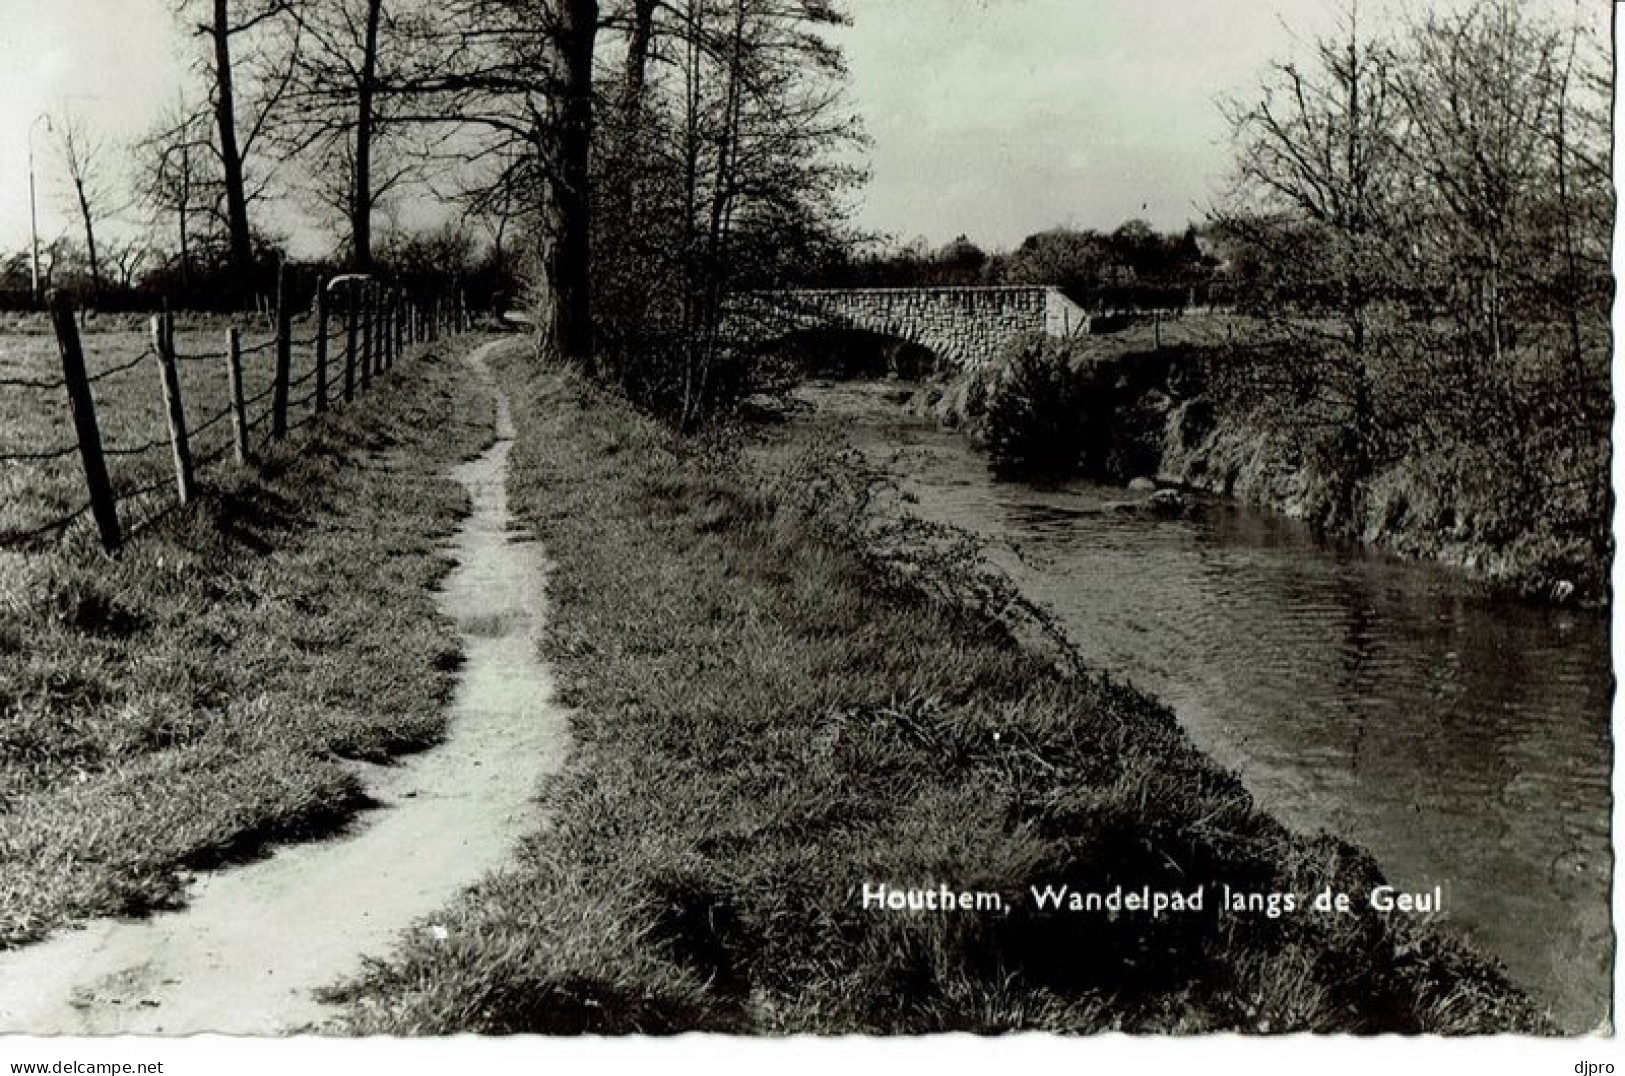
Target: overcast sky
[{"x": 992, "y": 118}]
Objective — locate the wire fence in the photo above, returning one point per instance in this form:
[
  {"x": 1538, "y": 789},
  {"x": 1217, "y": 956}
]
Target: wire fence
[{"x": 351, "y": 344}]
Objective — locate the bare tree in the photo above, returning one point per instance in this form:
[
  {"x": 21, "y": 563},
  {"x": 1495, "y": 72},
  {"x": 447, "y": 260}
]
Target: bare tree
[
  {"x": 1514, "y": 215},
  {"x": 1317, "y": 186},
  {"x": 515, "y": 79},
  {"x": 177, "y": 175},
  {"x": 1479, "y": 100},
  {"x": 712, "y": 138},
  {"x": 338, "y": 115},
  {"x": 227, "y": 24},
  {"x": 1585, "y": 200},
  {"x": 128, "y": 255},
  {"x": 88, "y": 166},
  {"x": 761, "y": 107},
  {"x": 566, "y": 209}
]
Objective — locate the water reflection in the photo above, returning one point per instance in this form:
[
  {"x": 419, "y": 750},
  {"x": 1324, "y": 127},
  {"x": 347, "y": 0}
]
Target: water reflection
[{"x": 1463, "y": 739}]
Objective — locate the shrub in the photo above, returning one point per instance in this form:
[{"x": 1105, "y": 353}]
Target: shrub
[{"x": 1037, "y": 422}]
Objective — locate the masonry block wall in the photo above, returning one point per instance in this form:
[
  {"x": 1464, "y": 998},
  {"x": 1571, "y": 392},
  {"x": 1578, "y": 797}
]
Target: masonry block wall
[{"x": 963, "y": 327}]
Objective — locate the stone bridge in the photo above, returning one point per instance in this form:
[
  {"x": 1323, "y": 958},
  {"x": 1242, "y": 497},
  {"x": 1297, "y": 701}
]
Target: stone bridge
[{"x": 963, "y": 327}]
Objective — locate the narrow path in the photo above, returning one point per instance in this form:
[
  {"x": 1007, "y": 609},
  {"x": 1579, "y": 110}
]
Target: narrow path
[{"x": 253, "y": 943}]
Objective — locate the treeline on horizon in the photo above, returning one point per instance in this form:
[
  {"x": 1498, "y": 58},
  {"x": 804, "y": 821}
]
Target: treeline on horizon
[{"x": 447, "y": 261}]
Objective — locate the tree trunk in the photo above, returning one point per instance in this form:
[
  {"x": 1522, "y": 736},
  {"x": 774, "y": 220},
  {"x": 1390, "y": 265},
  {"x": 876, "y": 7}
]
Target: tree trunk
[
  {"x": 182, "y": 213},
  {"x": 691, "y": 269},
  {"x": 722, "y": 193},
  {"x": 566, "y": 207},
  {"x": 361, "y": 186},
  {"x": 636, "y": 69},
  {"x": 90, "y": 238},
  {"x": 231, "y": 160}
]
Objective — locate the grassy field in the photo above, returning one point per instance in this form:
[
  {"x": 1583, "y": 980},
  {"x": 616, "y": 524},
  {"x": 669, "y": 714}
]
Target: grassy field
[
  {"x": 182, "y": 703},
  {"x": 130, "y": 412},
  {"x": 770, "y": 714}
]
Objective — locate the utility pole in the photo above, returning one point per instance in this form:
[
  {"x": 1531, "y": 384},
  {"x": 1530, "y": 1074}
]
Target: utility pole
[{"x": 33, "y": 213}]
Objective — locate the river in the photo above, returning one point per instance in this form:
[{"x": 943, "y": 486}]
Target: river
[{"x": 1463, "y": 738}]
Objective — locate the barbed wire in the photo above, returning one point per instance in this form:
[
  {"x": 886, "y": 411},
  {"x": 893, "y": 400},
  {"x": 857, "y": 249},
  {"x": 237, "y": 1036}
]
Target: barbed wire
[
  {"x": 39, "y": 456},
  {"x": 200, "y": 356},
  {"x": 160, "y": 442},
  {"x": 32, "y": 383},
  {"x": 114, "y": 371}
]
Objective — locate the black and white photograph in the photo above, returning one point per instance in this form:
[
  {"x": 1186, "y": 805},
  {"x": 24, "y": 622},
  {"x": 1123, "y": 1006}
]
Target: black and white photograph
[{"x": 536, "y": 520}]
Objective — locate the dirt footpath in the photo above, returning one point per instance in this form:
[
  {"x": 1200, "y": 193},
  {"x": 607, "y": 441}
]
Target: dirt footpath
[{"x": 254, "y": 942}]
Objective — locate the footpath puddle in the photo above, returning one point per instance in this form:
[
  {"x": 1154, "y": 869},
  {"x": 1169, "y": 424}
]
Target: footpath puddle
[{"x": 254, "y": 943}]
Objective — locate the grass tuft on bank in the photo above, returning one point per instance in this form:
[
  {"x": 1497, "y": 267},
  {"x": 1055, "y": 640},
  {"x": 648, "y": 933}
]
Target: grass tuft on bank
[
  {"x": 769, "y": 714},
  {"x": 204, "y": 692}
]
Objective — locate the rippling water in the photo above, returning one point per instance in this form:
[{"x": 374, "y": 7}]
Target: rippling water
[{"x": 1463, "y": 739}]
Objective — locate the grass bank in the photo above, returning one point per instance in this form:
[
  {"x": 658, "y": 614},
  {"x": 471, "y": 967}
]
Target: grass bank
[
  {"x": 769, "y": 715},
  {"x": 198, "y": 695}
]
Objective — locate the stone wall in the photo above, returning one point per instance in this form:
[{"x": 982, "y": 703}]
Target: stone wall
[{"x": 964, "y": 327}]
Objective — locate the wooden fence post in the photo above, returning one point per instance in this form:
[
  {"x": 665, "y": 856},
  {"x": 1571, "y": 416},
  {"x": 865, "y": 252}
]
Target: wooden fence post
[
  {"x": 234, "y": 379},
  {"x": 370, "y": 331},
  {"x": 383, "y": 329},
  {"x": 380, "y": 358},
  {"x": 284, "y": 360},
  {"x": 174, "y": 410},
  {"x": 102, "y": 506},
  {"x": 321, "y": 346},
  {"x": 391, "y": 320},
  {"x": 364, "y": 301},
  {"x": 349, "y": 340}
]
